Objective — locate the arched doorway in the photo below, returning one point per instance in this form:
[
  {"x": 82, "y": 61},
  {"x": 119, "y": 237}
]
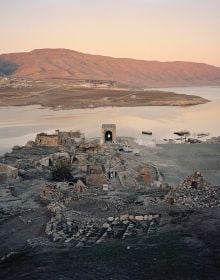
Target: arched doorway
[
  {"x": 108, "y": 136},
  {"x": 75, "y": 162},
  {"x": 108, "y": 133}
]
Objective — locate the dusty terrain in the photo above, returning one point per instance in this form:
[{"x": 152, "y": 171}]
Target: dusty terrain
[
  {"x": 68, "y": 94},
  {"x": 62, "y": 63},
  {"x": 128, "y": 232}
]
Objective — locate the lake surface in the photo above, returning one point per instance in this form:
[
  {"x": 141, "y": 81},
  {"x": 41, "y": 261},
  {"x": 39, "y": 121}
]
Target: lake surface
[{"x": 20, "y": 124}]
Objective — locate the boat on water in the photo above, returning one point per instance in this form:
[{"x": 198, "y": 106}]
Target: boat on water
[
  {"x": 182, "y": 133},
  {"x": 147, "y": 132}
]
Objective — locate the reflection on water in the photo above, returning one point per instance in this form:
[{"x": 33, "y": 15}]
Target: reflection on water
[{"x": 19, "y": 124}]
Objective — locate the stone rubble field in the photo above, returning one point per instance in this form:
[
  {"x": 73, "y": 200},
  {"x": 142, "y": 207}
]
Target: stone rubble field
[{"x": 139, "y": 212}]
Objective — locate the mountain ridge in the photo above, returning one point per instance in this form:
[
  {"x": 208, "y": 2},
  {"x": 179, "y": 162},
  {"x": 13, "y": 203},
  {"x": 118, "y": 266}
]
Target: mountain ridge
[{"x": 64, "y": 63}]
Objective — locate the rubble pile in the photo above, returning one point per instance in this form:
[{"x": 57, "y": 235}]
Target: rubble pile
[
  {"x": 62, "y": 192},
  {"x": 52, "y": 192},
  {"x": 144, "y": 177},
  {"x": 194, "y": 191},
  {"x": 62, "y": 226}
]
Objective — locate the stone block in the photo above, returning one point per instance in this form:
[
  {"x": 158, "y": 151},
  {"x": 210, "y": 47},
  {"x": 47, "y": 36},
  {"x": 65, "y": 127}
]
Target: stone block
[
  {"x": 156, "y": 216},
  {"x": 131, "y": 217},
  {"x": 139, "y": 218},
  {"x": 124, "y": 217}
]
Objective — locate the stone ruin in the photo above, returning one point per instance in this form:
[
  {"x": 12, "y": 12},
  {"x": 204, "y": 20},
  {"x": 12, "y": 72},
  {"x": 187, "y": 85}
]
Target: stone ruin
[
  {"x": 82, "y": 232},
  {"x": 60, "y": 138},
  {"x": 62, "y": 192},
  {"x": 100, "y": 165},
  {"x": 194, "y": 191},
  {"x": 55, "y": 158},
  {"x": 43, "y": 139},
  {"x": 7, "y": 172},
  {"x": 55, "y": 193},
  {"x": 108, "y": 133},
  {"x": 79, "y": 186}
]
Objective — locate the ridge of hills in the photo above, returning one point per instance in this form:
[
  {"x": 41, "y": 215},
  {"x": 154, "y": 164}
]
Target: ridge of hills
[{"x": 69, "y": 64}]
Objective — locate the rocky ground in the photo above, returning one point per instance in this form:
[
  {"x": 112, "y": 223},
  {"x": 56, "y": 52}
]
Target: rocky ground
[{"x": 56, "y": 230}]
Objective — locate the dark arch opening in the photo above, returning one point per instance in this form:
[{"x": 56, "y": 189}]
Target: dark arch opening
[
  {"x": 108, "y": 136},
  {"x": 75, "y": 161},
  {"x": 50, "y": 162},
  {"x": 194, "y": 184}
]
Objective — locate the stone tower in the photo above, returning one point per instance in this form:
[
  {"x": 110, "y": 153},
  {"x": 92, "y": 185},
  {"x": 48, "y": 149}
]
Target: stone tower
[{"x": 108, "y": 133}]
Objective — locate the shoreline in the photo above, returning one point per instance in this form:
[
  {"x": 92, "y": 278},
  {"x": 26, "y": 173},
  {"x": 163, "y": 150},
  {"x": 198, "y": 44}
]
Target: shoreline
[
  {"x": 64, "y": 99},
  {"x": 41, "y": 106}
]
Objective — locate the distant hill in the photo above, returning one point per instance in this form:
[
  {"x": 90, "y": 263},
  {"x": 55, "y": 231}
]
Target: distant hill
[{"x": 62, "y": 63}]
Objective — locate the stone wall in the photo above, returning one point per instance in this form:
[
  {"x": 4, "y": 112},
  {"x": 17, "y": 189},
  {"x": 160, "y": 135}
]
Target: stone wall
[
  {"x": 60, "y": 138},
  {"x": 70, "y": 138},
  {"x": 43, "y": 139},
  {"x": 82, "y": 161}
]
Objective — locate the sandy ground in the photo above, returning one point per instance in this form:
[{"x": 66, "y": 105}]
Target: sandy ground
[{"x": 71, "y": 98}]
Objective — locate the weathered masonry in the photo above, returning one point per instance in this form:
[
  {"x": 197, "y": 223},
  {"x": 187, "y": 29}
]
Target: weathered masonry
[
  {"x": 59, "y": 138},
  {"x": 43, "y": 139},
  {"x": 108, "y": 133},
  {"x": 7, "y": 172}
]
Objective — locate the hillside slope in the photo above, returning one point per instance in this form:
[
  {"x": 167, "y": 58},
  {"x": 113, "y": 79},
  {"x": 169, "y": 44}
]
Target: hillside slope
[{"x": 62, "y": 63}]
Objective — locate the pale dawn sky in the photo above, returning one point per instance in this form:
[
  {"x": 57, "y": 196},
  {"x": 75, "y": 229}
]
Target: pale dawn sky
[{"x": 164, "y": 30}]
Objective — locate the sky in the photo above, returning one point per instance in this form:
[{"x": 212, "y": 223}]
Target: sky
[{"x": 164, "y": 30}]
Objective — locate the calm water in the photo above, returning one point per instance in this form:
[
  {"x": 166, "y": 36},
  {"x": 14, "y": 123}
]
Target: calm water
[{"x": 20, "y": 124}]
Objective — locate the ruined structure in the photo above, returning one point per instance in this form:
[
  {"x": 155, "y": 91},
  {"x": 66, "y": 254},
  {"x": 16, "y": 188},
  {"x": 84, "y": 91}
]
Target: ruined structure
[
  {"x": 94, "y": 164},
  {"x": 108, "y": 133},
  {"x": 194, "y": 191},
  {"x": 70, "y": 138},
  {"x": 79, "y": 186},
  {"x": 7, "y": 172},
  {"x": 89, "y": 147},
  {"x": 44, "y": 139},
  {"x": 60, "y": 138},
  {"x": 80, "y": 162},
  {"x": 112, "y": 197},
  {"x": 52, "y": 159}
]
